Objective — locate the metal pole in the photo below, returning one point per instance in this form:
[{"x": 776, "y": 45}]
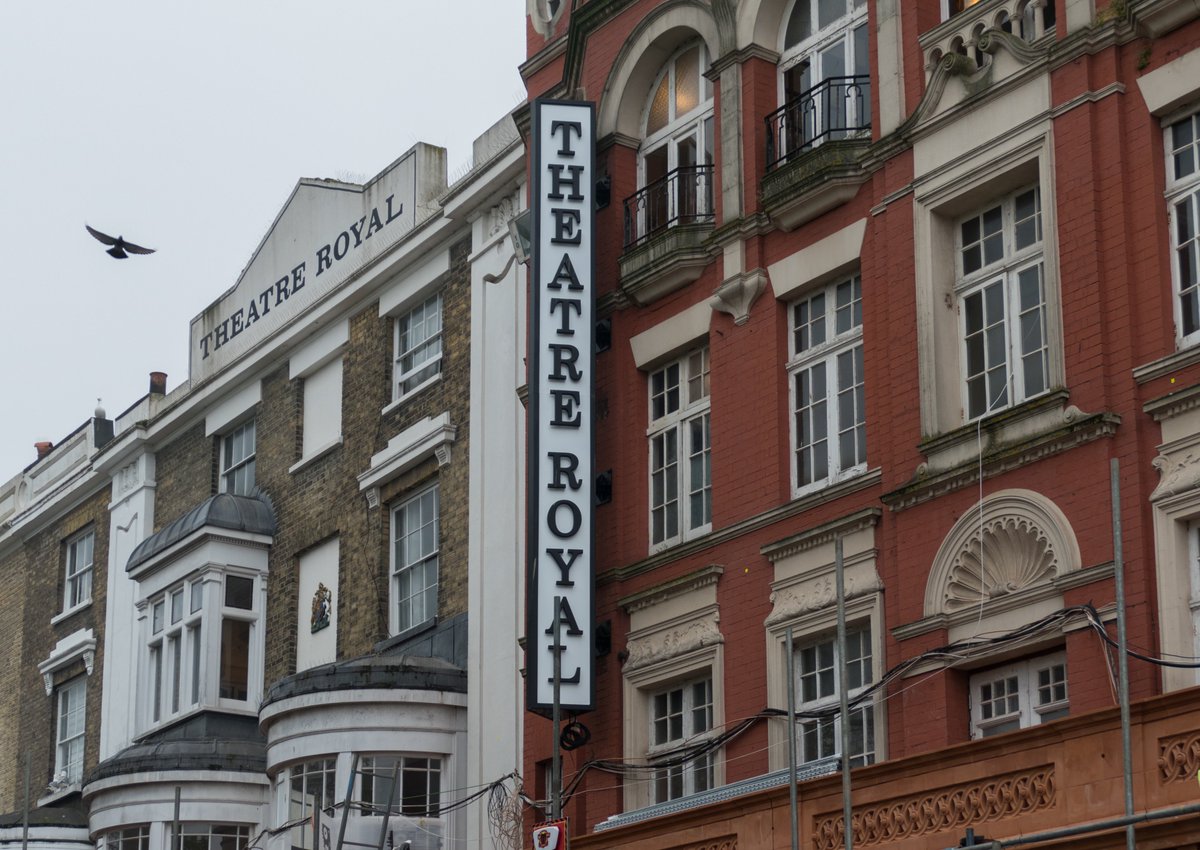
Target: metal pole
[
  {"x": 346, "y": 802},
  {"x": 175, "y": 836},
  {"x": 25, "y": 813},
  {"x": 1123, "y": 660},
  {"x": 844, "y": 697},
  {"x": 791, "y": 719},
  {"x": 556, "y": 720},
  {"x": 1099, "y": 826}
]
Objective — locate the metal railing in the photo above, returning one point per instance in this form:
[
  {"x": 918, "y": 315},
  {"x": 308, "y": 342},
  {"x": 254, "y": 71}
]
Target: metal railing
[
  {"x": 682, "y": 196},
  {"x": 834, "y": 108}
]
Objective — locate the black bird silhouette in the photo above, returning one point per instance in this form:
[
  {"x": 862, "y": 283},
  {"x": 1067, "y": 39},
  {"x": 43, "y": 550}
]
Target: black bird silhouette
[{"x": 119, "y": 245}]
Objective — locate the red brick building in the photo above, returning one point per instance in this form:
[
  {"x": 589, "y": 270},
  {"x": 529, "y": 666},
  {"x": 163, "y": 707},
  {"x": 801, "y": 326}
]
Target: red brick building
[{"x": 907, "y": 276}]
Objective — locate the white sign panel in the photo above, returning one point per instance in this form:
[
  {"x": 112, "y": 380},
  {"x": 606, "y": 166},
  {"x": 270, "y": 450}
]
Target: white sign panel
[{"x": 560, "y": 406}]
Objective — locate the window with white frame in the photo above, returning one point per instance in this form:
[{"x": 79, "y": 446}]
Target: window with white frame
[
  {"x": 130, "y": 838},
  {"x": 829, "y": 431},
  {"x": 312, "y": 786},
  {"x": 817, "y": 690},
  {"x": 681, "y": 717},
  {"x": 1017, "y": 695},
  {"x": 1001, "y": 292},
  {"x": 415, "y": 547},
  {"x": 825, "y": 74},
  {"x": 419, "y": 779},
  {"x": 200, "y": 646},
  {"x": 418, "y": 347},
  {"x": 680, "y": 450},
  {"x": 69, "y": 731},
  {"x": 237, "y": 460},
  {"x": 1193, "y": 594},
  {"x": 212, "y": 836},
  {"x": 676, "y": 156},
  {"x": 77, "y": 588},
  {"x": 1183, "y": 203}
]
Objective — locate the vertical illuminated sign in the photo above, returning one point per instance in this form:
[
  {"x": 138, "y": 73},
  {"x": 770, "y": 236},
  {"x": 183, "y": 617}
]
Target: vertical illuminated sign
[{"x": 559, "y": 510}]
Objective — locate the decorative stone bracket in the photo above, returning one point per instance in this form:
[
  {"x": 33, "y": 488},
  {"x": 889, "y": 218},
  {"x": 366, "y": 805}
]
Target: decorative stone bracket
[
  {"x": 75, "y": 646},
  {"x": 737, "y": 295}
]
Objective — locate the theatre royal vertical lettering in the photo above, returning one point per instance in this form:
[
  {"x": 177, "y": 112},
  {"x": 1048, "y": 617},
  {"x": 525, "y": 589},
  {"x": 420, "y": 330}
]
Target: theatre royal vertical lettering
[{"x": 561, "y": 362}]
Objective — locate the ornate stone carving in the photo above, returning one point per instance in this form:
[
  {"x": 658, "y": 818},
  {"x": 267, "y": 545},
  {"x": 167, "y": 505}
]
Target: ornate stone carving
[
  {"x": 127, "y": 478},
  {"x": 952, "y": 808},
  {"x": 501, "y": 213},
  {"x": 814, "y": 595},
  {"x": 1027, "y": 543},
  {"x": 1179, "y": 758},
  {"x": 727, "y": 843},
  {"x": 681, "y": 639},
  {"x": 1176, "y": 474},
  {"x": 1012, "y": 555},
  {"x": 544, "y": 14},
  {"x": 737, "y": 295}
]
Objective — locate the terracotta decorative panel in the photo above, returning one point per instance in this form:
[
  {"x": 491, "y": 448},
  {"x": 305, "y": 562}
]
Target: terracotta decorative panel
[
  {"x": 945, "y": 809},
  {"x": 1179, "y": 758},
  {"x": 727, "y": 842}
]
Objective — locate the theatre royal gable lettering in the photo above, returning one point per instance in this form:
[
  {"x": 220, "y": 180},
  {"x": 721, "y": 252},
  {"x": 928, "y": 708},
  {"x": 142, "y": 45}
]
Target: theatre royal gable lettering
[{"x": 326, "y": 232}]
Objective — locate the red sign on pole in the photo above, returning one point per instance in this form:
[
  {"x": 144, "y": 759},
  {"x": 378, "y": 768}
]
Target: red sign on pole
[{"x": 551, "y": 835}]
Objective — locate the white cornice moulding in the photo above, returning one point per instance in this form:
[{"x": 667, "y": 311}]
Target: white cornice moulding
[
  {"x": 79, "y": 644},
  {"x": 1169, "y": 87},
  {"x": 432, "y": 436},
  {"x": 820, "y": 261},
  {"x": 322, "y": 347},
  {"x": 231, "y": 407},
  {"x": 671, "y": 336},
  {"x": 413, "y": 284}
]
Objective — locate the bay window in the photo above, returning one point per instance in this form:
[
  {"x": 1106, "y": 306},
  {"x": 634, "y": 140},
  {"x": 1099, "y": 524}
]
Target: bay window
[{"x": 202, "y": 650}]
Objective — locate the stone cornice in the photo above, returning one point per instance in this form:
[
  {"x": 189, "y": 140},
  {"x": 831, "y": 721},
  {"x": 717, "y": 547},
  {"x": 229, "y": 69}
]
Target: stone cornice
[
  {"x": 703, "y": 577},
  {"x": 1174, "y": 403},
  {"x": 1076, "y": 431},
  {"x": 822, "y": 534},
  {"x": 867, "y": 480}
]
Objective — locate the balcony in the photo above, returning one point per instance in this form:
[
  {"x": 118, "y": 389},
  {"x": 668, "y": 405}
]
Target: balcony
[
  {"x": 815, "y": 145},
  {"x": 666, "y": 225}
]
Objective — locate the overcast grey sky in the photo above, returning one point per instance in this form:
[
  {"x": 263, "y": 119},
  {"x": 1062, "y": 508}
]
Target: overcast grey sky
[{"x": 184, "y": 126}]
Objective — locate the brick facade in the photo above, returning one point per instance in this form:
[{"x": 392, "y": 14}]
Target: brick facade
[{"x": 1108, "y": 256}]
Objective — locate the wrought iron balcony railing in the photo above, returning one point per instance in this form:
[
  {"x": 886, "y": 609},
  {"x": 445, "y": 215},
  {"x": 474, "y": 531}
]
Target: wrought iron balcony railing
[
  {"x": 682, "y": 196},
  {"x": 835, "y": 108}
]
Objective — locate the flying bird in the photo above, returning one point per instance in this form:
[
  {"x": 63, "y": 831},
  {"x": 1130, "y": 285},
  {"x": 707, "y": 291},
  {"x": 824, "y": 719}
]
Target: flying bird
[{"x": 119, "y": 245}]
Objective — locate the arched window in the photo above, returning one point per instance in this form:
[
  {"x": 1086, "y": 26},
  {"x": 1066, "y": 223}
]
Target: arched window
[
  {"x": 824, "y": 75},
  {"x": 675, "y": 161}
]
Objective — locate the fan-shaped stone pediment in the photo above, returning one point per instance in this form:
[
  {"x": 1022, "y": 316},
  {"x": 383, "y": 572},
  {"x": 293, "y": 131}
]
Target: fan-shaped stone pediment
[
  {"x": 1011, "y": 555},
  {"x": 1019, "y": 541}
]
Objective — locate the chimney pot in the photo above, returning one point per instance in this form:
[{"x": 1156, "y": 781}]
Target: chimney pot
[
  {"x": 158, "y": 383},
  {"x": 43, "y": 448}
]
